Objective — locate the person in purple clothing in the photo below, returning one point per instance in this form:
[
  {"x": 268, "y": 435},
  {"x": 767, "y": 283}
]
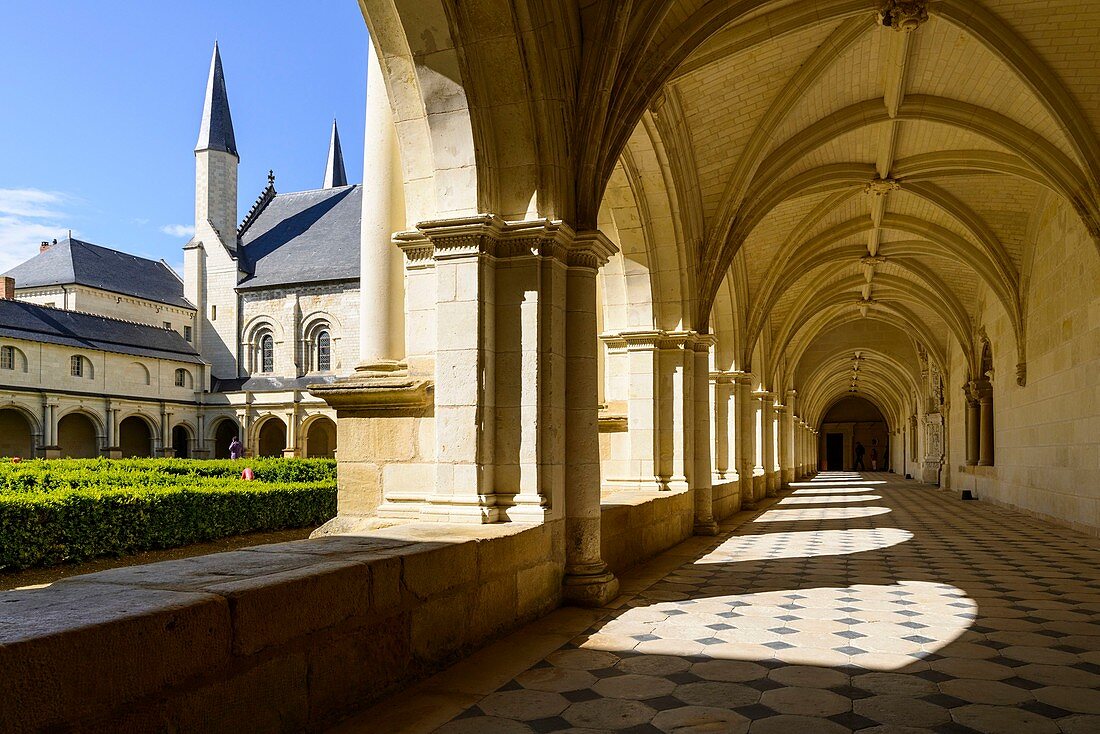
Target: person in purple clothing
[{"x": 236, "y": 450}]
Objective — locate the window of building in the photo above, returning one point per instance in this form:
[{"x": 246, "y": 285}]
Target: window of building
[
  {"x": 267, "y": 353},
  {"x": 167, "y": 324},
  {"x": 324, "y": 351},
  {"x": 181, "y": 378},
  {"x": 187, "y": 334},
  {"x": 213, "y": 313},
  {"x": 7, "y": 358},
  {"x": 51, "y": 304},
  {"x": 76, "y": 365}
]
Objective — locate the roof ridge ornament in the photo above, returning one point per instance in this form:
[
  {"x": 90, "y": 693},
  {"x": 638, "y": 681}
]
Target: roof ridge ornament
[
  {"x": 259, "y": 205},
  {"x": 903, "y": 15}
]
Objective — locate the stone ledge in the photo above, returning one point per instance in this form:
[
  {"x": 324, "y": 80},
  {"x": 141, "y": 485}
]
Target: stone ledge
[{"x": 281, "y": 637}]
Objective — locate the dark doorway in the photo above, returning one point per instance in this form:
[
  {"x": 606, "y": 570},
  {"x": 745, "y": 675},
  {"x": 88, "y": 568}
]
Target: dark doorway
[
  {"x": 134, "y": 438},
  {"x": 181, "y": 442},
  {"x": 834, "y": 451},
  {"x": 226, "y": 431}
]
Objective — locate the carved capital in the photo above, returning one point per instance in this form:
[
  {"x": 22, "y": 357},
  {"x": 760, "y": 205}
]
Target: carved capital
[
  {"x": 903, "y": 15},
  {"x": 872, "y": 260},
  {"x": 1021, "y": 374}
]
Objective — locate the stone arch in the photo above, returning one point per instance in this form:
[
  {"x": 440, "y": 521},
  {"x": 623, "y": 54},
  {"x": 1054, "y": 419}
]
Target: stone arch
[
  {"x": 183, "y": 436},
  {"x": 17, "y": 357},
  {"x": 138, "y": 373},
  {"x": 17, "y": 432},
  {"x": 320, "y": 434},
  {"x": 222, "y": 432},
  {"x": 136, "y": 436},
  {"x": 270, "y": 433},
  {"x": 79, "y": 434}
]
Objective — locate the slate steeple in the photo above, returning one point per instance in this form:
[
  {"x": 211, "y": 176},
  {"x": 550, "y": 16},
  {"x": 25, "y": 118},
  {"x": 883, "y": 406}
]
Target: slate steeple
[
  {"x": 334, "y": 168},
  {"x": 216, "y": 129}
]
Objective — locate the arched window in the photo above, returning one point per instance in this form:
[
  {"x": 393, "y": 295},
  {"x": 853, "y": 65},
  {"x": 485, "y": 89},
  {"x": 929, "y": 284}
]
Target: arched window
[
  {"x": 183, "y": 378},
  {"x": 7, "y": 358},
  {"x": 324, "y": 351},
  {"x": 267, "y": 353},
  {"x": 76, "y": 365}
]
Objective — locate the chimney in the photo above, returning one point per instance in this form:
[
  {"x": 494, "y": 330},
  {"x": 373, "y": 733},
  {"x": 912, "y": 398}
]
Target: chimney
[
  {"x": 44, "y": 246},
  {"x": 7, "y": 288}
]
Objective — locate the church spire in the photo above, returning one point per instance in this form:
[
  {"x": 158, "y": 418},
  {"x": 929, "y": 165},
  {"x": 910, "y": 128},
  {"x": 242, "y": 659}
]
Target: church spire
[
  {"x": 334, "y": 168},
  {"x": 216, "y": 130}
]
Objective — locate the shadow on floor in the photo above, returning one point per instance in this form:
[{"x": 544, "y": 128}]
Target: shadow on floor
[{"x": 854, "y": 603}]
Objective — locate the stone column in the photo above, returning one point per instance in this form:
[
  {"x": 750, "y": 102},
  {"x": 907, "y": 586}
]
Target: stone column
[
  {"x": 786, "y": 447},
  {"x": 746, "y": 435},
  {"x": 291, "y": 448},
  {"x": 587, "y": 581},
  {"x": 973, "y": 425},
  {"x": 633, "y": 361},
  {"x": 381, "y": 346},
  {"x": 166, "y": 448},
  {"x": 721, "y": 396},
  {"x": 702, "y": 487},
  {"x": 767, "y": 440},
  {"x": 985, "y": 447},
  {"x": 675, "y": 409}
]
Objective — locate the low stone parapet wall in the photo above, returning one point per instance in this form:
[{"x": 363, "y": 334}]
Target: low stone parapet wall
[
  {"x": 727, "y": 499},
  {"x": 283, "y": 637},
  {"x": 638, "y": 525}
]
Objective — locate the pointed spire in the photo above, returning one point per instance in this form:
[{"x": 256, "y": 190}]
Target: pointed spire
[
  {"x": 216, "y": 130},
  {"x": 334, "y": 168}
]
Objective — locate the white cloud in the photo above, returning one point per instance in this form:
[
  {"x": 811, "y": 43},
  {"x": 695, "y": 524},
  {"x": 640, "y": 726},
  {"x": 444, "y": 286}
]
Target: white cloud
[
  {"x": 178, "y": 230},
  {"x": 27, "y": 217}
]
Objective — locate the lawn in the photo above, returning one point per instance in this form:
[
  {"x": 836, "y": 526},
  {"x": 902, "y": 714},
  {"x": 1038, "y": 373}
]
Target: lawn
[{"x": 56, "y": 511}]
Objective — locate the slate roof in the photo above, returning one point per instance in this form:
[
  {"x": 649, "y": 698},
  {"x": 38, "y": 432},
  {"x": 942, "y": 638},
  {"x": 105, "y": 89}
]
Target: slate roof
[
  {"x": 303, "y": 237},
  {"x": 216, "y": 128},
  {"x": 82, "y": 263},
  {"x": 28, "y": 321}
]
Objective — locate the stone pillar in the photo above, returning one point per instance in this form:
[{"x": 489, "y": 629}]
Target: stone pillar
[
  {"x": 985, "y": 447},
  {"x": 634, "y": 462},
  {"x": 587, "y": 581},
  {"x": 291, "y": 448},
  {"x": 767, "y": 439},
  {"x": 746, "y": 435},
  {"x": 973, "y": 426},
  {"x": 381, "y": 296},
  {"x": 701, "y": 479},
  {"x": 167, "y": 450},
  {"x": 721, "y": 397},
  {"x": 786, "y": 444},
  {"x": 676, "y": 408}
]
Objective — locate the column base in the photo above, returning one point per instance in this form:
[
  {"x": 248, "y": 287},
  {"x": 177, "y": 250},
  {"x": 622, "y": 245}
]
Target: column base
[
  {"x": 706, "y": 528},
  {"x": 290, "y": 453},
  {"x": 110, "y": 452},
  {"x": 50, "y": 452},
  {"x": 464, "y": 513},
  {"x": 589, "y": 586},
  {"x": 771, "y": 484}
]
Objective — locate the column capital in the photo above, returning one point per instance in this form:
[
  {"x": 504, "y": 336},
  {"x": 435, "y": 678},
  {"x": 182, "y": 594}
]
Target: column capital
[
  {"x": 741, "y": 378},
  {"x": 780, "y": 408},
  {"x": 792, "y": 393},
  {"x": 722, "y": 377},
  {"x": 763, "y": 394},
  {"x": 492, "y": 236}
]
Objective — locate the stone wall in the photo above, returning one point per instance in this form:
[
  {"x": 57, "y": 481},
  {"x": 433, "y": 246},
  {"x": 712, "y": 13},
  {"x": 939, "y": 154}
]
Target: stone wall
[
  {"x": 1047, "y": 432},
  {"x": 105, "y": 303},
  {"x": 283, "y": 637},
  {"x": 635, "y": 526},
  {"x": 727, "y": 499}
]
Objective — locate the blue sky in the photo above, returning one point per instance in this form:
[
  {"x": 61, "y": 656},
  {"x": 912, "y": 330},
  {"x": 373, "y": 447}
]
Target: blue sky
[{"x": 101, "y": 102}]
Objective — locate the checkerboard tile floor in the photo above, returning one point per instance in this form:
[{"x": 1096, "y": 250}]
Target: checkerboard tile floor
[{"x": 855, "y": 603}]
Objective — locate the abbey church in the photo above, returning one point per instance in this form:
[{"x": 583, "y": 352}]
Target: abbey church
[{"x": 103, "y": 353}]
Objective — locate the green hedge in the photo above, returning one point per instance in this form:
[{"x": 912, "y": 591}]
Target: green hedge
[{"x": 69, "y": 510}]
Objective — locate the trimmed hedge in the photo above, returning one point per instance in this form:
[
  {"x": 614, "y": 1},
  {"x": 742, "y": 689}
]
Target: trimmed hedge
[{"x": 69, "y": 510}]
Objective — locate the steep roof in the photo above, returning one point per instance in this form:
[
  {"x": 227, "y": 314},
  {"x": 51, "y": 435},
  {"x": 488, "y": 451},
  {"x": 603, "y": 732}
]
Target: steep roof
[
  {"x": 216, "y": 129},
  {"x": 303, "y": 237},
  {"x": 335, "y": 175},
  {"x": 31, "y": 322},
  {"x": 74, "y": 261}
]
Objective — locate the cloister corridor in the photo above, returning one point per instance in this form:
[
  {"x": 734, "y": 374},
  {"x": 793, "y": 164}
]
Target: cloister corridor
[{"x": 852, "y": 602}]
